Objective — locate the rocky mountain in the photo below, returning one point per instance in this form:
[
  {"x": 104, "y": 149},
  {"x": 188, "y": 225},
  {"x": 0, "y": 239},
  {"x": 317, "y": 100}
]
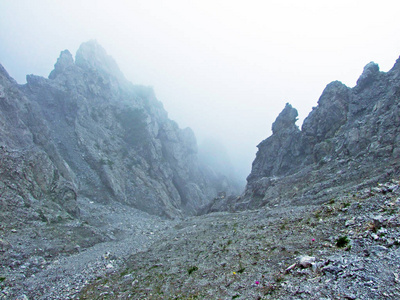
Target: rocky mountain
[
  {"x": 351, "y": 136},
  {"x": 109, "y": 139},
  {"x": 84, "y": 156},
  {"x": 318, "y": 219}
]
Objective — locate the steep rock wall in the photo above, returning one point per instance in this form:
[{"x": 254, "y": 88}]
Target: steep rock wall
[
  {"x": 116, "y": 139},
  {"x": 351, "y": 137},
  {"x": 35, "y": 182}
]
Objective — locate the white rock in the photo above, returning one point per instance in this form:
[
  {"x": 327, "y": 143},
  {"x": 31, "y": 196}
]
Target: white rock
[
  {"x": 306, "y": 261},
  {"x": 375, "y": 236},
  {"x": 291, "y": 267}
]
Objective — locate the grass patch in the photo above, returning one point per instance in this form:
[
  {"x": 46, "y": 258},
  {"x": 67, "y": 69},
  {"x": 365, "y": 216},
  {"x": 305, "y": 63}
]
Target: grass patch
[
  {"x": 125, "y": 272},
  {"x": 342, "y": 241},
  {"x": 192, "y": 269}
]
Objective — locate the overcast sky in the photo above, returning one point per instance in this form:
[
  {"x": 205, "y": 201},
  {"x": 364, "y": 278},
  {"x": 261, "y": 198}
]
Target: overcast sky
[{"x": 223, "y": 68}]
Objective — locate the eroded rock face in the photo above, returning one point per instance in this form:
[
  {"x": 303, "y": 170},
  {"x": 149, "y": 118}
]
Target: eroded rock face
[
  {"x": 282, "y": 151},
  {"x": 352, "y": 136},
  {"x": 34, "y": 179},
  {"x": 63, "y": 62},
  {"x": 110, "y": 139}
]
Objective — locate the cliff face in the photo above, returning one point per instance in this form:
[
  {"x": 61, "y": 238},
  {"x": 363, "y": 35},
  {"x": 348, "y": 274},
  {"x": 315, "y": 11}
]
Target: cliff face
[
  {"x": 35, "y": 182},
  {"x": 352, "y": 136},
  {"x": 88, "y": 132}
]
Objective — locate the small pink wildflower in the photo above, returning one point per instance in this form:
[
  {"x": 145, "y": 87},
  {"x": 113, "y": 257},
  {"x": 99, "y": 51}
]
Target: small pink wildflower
[
  {"x": 313, "y": 240},
  {"x": 257, "y": 282}
]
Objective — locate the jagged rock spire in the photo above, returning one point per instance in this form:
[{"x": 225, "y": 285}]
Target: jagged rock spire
[
  {"x": 371, "y": 71},
  {"x": 91, "y": 55},
  {"x": 63, "y": 62},
  {"x": 286, "y": 119}
]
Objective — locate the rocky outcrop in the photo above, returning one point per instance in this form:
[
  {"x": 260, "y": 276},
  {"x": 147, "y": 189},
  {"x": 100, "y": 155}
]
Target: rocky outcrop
[
  {"x": 35, "y": 181},
  {"x": 352, "y": 136},
  {"x": 278, "y": 155}
]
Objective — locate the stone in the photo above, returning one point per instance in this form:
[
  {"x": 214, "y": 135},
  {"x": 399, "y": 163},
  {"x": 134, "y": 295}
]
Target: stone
[
  {"x": 350, "y": 296},
  {"x": 4, "y": 245},
  {"x": 396, "y": 277},
  {"x": 374, "y": 236},
  {"x": 134, "y": 282},
  {"x": 306, "y": 261},
  {"x": 382, "y": 231},
  {"x": 371, "y": 71},
  {"x": 331, "y": 269},
  {"x": 290, "y": 268},
  {"x": 378, "y": 221},
  {"x": 380, "y": 248}
]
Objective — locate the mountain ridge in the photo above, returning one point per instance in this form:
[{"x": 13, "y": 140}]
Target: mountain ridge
[
  {"x": 319, "y": 218},
  {"x": 92, "y": 109},
  {"x": 352, "y": 135},
  {"x": 84, "y": 156}
]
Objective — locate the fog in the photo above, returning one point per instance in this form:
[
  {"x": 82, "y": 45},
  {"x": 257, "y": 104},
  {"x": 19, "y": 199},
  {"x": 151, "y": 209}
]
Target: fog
[{"x": 223, "y": 68}]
